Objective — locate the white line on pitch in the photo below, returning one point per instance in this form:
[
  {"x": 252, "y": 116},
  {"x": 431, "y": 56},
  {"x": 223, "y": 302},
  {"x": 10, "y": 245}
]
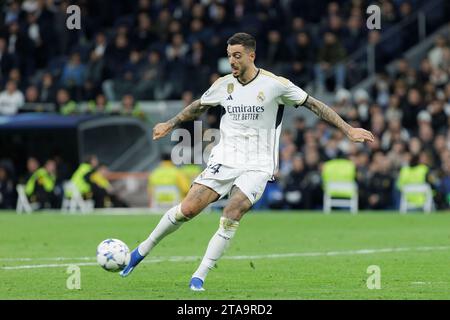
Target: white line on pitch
[
  {"x": 242, "y": 257},
  {"x": 46, "y": 259}
]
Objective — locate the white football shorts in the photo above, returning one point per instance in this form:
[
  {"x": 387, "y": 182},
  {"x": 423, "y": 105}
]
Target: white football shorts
[{"x": 222, "y": 178}]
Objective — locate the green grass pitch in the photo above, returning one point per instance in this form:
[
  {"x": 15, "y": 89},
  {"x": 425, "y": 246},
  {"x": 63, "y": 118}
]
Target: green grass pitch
[{"x": 276, "y": 255}]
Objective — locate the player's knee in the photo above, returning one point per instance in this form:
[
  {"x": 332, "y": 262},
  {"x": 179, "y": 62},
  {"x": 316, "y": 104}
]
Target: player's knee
[{"x": 189, "y": 210}]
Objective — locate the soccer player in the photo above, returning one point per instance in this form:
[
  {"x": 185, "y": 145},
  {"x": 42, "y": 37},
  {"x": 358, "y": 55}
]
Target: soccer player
[{"x": 245, "y": 158}]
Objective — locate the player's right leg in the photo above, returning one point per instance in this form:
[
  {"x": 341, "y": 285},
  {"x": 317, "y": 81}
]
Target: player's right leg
[{"x": 198, "y": 198}]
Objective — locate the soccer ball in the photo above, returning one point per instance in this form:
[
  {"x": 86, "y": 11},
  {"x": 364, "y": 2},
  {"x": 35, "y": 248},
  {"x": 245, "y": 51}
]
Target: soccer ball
[{"x": 113, "y": 255}]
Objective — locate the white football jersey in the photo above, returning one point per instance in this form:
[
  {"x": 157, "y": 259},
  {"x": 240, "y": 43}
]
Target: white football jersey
[{"x": 251, "y": 120}]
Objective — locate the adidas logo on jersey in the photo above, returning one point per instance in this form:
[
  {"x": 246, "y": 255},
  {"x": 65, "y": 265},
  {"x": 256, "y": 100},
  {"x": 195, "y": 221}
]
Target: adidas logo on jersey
[{"x": 230, "y": 97}]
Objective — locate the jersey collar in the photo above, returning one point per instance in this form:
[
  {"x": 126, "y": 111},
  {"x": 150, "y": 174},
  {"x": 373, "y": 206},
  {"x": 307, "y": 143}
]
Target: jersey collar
[{"x": 244, "y": 84}]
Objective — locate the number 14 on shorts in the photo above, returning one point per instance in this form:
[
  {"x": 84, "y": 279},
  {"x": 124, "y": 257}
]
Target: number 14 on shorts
[{"x": 214, "y": 168}]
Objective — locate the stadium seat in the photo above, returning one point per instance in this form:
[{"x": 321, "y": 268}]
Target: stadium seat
[
  {"x": 340, "y": 188},
  {"x": 73, "y": 200},
  {"x": 165, "y": 197},
  {"x": 23, "y": 205},
  {"x": 415, "y": 191}
]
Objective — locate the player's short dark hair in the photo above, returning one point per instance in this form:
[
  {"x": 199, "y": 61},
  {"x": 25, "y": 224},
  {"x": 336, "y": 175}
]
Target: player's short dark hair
[{"x": 244, "y": 39}]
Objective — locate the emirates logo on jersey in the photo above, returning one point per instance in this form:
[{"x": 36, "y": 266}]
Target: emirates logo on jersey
[
  {"x": 243, "y": 112},
  {"x": 260, "y": 97}
]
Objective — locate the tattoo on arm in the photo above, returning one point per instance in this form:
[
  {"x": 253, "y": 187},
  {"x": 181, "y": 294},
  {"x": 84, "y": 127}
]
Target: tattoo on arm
[
  {"x": 189, "y": 113},
  {"x": 326, "y": 113}
]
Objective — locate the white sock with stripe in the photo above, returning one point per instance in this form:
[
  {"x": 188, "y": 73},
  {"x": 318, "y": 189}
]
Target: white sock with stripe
[
  {"x": 217, "y": 246},
  {"x": 169, "y": 222}
]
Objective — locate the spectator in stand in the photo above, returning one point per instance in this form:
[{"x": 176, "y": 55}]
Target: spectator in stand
[
  {"x": 115, "y": 55},
  {"x": 127, "y": 79},
  {"x": 439, "y": 120},
  {"x": 131, "y": 108},
  {"x": 64, "y": 104},
  {"x": 74, "y": 72},
  {"x": 198, "y": 62},
  {"x": 144, "y": 34},
  {"x": 440, "y": 145},
  {"x": 198, "y": 32},
  {"x": 176, "y": 53},
  {"x": 313, "y": 186},
  {"x": 32, "y": 165},
  {"x": 295, "y": 184},
  {"x": 411, "y": 109},
  {"x": 343, "y": 104},
  {"x": 276, "y": 53},
  {"x": 47, "y": 89},
  {"x": 16, "y": 76},
  {"x": 6, "y": 61},
  {"x": 330, "y": 57},
  {"x": 302, "y": 54},
  {"x": 151, "y": 74},
  {"x": 394, "y": 133},
  {"x": 20, "y": 47},
  {"x": 362, "y": 101},
  {"x": 95, "y": 69},
  {"x": 426, "y": 134},
  {"x": 286, "y": 160},
  {"x": 444, "y": 187},
  {"x": 436, "y": 54},
  {"x": 12, "y": 11},
  {"x": 100, "y": 105},
  {"x": 32, "y": 102},
  {"x": 380, "y": 184},
  {"x": 36, "y": 35},
  {"x": 354, "y": 33},
  {"x": 102, "y": 191},
  {"x": 32, "y": 94},
  {"x": 11, "y": 100},
  {"x": 40, "y": 187},
  {"x": 300, "y": 129},
  {"x": 396, "y": 155},
  {"x": 7, "y": 192}
]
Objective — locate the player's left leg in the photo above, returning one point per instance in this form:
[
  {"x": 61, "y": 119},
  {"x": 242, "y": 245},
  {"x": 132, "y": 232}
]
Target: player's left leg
[
  {"x": 246, "y": 191},
  {"x": 237, "y": 206}
]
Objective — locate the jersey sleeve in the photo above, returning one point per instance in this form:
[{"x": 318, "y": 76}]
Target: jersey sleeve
[
  {"x": 213, "y": 96},
  {"x": 292, "y": 95}
]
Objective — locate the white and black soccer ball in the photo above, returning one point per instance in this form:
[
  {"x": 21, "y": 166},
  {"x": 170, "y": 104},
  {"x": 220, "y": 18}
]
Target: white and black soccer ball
[{"x": 113, "y": 255}]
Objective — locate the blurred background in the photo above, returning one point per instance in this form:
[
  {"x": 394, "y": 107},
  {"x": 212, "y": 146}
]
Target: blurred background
[{"x": 77, "y": 106}]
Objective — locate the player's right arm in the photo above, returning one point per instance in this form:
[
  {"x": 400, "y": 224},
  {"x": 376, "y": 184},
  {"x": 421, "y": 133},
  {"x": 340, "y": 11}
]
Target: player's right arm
[
  {"x": 189, "y": 113},
  {"x": 210, "y": 98}
]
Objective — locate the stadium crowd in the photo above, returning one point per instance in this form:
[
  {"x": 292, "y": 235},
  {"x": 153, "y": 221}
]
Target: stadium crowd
[
  {"x": 130, "y": 51},
  {"x": 149, "y": 49},
  {"x": 409, "y": 114}
]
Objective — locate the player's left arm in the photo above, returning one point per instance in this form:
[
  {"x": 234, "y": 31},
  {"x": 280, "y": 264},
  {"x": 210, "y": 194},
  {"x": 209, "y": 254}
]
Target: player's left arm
[{"x": 331, "y": 116}]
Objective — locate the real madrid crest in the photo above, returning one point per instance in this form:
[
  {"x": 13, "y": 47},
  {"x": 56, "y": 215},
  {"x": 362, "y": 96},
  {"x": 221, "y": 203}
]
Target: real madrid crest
[
  {"x": 230, "y": 88},
  {"x": 260, "y": 97}
]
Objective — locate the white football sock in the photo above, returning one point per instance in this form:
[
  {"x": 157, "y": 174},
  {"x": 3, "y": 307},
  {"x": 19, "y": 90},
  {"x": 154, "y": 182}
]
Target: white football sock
[
  {"x": 169, "y": 222},
  {"x": 217, "y": 246}
]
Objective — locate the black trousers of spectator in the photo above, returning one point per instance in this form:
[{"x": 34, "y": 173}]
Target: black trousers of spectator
[
  {"x": 102, "y": 198},
  {"x": 45, "y": 199}
]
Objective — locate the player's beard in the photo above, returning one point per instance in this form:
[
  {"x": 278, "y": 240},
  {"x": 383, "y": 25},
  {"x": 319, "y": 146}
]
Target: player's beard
[{"x": 241, "y": 71}]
